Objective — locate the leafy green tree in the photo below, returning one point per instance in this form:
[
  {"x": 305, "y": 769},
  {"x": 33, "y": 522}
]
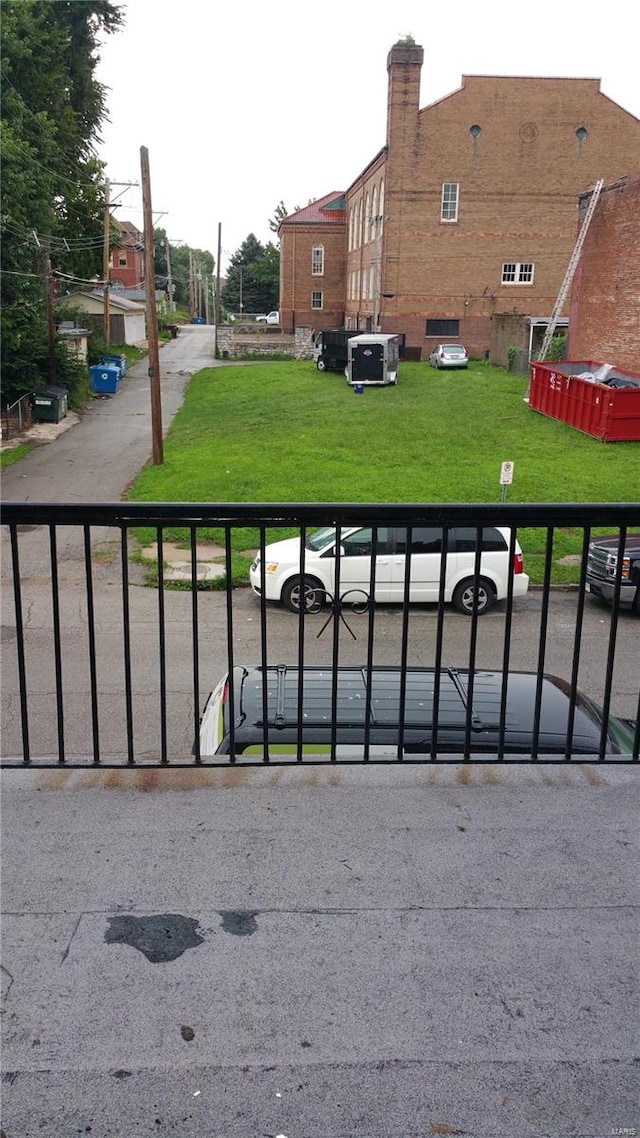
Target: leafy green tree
[
  {"x": 181, "y": 258},
  {"x": 267, "y": 272},
  {"x": 251, "y": 284},
  {"x": 52, "y": 185}
]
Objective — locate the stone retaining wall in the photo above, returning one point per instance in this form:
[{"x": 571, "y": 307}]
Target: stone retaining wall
[{"x": 239, "y": 341}]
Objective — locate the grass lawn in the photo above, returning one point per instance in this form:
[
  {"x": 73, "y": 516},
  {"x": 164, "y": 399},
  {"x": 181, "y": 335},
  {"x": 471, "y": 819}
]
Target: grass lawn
[
  {"x": 284, "y": 432},
  {"x": 14, "y": 454}
]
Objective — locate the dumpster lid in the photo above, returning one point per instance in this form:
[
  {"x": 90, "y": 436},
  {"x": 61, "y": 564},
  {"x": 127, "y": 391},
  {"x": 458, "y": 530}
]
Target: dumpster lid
[{"x": 51, "y": 390}]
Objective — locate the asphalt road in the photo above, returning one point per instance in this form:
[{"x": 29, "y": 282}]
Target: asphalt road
[
  {"x": 96, "y": 460},
  {"x": 282, "y": 641}
]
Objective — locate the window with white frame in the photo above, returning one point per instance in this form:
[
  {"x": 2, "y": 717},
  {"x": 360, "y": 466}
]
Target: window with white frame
[
  {"x": 367, "y": 219},
  {"x": 449, "y": 209},
  {"x": 381, "y": 204},
  {"x": 317, "y": 260},
  {"x": 316, "y": 300},
  {"x": 517, "y": 272}
]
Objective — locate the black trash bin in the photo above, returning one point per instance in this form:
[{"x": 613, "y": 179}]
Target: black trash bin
[{"x": 50, "y": 404}]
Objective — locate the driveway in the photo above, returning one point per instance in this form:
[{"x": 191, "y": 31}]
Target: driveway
[{"x": 97, "y": 459}]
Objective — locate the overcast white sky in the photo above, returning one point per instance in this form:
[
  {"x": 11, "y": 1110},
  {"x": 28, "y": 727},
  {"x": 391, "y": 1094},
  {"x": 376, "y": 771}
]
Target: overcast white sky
[{"x": 242, "y": 103}]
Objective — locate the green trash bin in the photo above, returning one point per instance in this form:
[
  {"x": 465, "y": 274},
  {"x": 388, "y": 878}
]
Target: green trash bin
[{"x": 50, "y": 404}]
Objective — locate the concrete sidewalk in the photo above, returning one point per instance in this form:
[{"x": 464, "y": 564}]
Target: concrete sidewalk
[{"x": 321, "y": 953}]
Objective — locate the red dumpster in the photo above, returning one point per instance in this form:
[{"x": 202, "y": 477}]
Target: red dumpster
[{"x": 596, "y": 398}]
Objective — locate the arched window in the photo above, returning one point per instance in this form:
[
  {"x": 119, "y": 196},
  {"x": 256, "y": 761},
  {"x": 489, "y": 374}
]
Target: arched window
[
  {"x": 381, "y": 205},
  {"x": 367, "y": 219},
  {"x": 374, "y": 213},
  {"x": 317, "y": 260}
]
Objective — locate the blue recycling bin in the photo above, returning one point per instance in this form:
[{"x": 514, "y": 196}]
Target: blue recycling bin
[
  {"x": 116, "y": 361},
  {"x": 105, "y": 379}
]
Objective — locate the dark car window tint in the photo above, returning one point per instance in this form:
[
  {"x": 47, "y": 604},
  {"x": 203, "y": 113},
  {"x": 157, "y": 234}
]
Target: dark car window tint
[
  {"x": 423, "y": 540},
  {"x": 360, "y": 544},
  {"x": 466, "y": 540}
]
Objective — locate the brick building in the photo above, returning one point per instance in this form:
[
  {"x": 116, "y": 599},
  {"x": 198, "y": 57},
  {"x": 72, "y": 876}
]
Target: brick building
[
  {"x": 605, "y": 301},
  {"x": 470, "y": 208},
  {"x": 126, "y": 263}
]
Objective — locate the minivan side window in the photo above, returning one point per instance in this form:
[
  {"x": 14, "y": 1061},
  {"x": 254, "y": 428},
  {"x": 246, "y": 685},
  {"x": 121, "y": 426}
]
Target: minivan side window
[
  {"x": 466, "y": 540},
  {"x": 360, "y": 543},
  {"x": 423, "y": 540}
]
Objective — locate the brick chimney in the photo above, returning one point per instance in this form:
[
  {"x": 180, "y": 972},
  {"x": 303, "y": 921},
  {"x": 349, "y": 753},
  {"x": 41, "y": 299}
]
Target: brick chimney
[{"x": 404, "y": 64}]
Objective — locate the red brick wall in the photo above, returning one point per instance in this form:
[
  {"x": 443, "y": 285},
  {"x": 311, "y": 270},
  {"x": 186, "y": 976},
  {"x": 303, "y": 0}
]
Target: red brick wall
[
  {"x": 297, "y": 282},
  {"x": 605, "y": 306},
  {"x": 519, "y": 185}
]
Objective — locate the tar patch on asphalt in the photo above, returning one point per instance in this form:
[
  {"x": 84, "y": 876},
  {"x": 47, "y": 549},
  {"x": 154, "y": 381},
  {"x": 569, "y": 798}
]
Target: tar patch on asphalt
[
  {"x": 160, "y": 938},
  {"x": 239, "y": 922}
]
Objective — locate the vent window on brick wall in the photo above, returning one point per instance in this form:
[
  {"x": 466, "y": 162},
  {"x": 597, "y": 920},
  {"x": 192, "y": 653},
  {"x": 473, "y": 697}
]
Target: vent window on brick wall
[
  {"x": 443, "y": 328},
  {"x": 316, "y": 300},
  {"x": 517, "y": 272}
]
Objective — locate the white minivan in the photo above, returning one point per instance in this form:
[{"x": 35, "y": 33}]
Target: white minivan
[{"x": 282, "y": 567}]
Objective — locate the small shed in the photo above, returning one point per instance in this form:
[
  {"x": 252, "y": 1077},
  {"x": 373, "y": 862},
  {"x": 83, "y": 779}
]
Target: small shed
[{"x": 127, "y": 317}]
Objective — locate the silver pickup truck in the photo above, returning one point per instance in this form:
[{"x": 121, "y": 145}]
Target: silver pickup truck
[{"x": 602, "y": 569}]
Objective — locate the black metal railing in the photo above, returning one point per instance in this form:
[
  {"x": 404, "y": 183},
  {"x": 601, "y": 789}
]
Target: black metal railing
[{"x": 102, "y": 669}]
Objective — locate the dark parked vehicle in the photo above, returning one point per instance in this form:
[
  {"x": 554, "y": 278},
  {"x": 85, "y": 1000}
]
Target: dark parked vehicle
[
  {"x": 468, "y": 705},
  {"x": 602, "y": 567},
  {"x": 330, "y": 350}
]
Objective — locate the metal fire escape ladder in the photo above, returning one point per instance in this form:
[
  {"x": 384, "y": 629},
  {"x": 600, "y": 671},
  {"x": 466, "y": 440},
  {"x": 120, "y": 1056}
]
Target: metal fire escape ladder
[{"x": 571, "y": 268}]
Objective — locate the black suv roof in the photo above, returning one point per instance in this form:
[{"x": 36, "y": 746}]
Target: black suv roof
[{"x": 465, "y": 707}]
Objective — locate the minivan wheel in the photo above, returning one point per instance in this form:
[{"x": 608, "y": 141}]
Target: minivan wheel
[
  {"x": 313, "y": 593},
  {"x": 463, "y": 596}
]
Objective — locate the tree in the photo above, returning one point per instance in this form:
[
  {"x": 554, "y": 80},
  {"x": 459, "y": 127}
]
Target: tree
[
  {"x": 251, "y": 285},
  {"x": 267, "y": 273},
  {"x": 280, "y": 213},
  {"x": 52, "y": 186}
]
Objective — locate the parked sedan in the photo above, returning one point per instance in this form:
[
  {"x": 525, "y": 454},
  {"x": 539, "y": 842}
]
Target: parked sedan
[
  {"x": 449, "y": 355},
  {"x": 282, "y": 567}
]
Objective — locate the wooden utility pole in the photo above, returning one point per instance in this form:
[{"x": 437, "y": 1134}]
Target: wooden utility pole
[
  {"x": 206, "y": 301},
  {"x": 51, "y": 324},
  {"x": 216, "y": 316},
  {"x": 191, "y": 297},
  {"x": 105, "y": 264},
  {"x": 169, "y": 280},
  {"x": 152, "y": 319}
]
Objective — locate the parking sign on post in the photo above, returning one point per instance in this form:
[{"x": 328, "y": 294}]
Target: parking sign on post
[{"x": 506, "y": 477}]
